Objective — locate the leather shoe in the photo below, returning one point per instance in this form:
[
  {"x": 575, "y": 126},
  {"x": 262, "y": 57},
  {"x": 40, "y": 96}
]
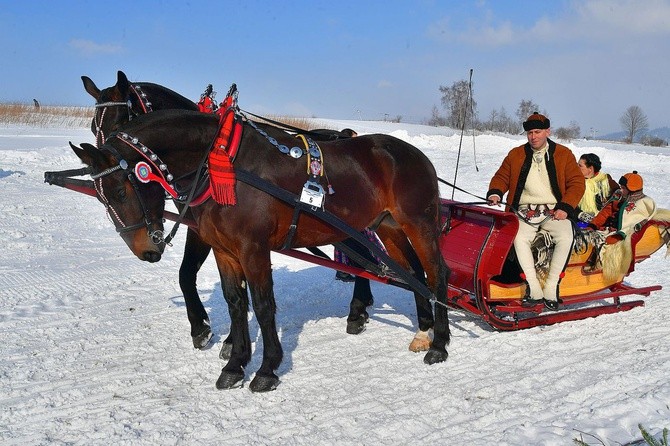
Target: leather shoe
[
  {"x": 527, "y": 301},
  {"x": 551, "y": 305}
]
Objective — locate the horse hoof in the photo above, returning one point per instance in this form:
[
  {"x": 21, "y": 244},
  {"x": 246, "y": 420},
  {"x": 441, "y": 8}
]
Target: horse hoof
[
  {"x": 201, "y": 340},
  {"x": 226, "y": 351},
  {"x": 421, "y": 342},
  {"x": 419, "y": 345},
  {"x": 229, "y": 380},
  {"x": 434, "y": 356},
  {"x": 357, "y": 326},
  {"x": 264, "y": 383}
]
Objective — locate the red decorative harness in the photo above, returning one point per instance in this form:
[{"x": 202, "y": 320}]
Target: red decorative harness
[
  {"x": 224, "y": 150},
  {"x": 221, "y": 172}
]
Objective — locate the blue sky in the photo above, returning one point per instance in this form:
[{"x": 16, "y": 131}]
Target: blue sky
[{"x": 585, "y": 61}]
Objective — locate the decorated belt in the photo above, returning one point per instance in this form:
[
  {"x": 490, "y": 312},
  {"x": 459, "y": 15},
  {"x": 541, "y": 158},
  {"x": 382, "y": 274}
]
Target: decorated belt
[{"x": 535, "y": 212}]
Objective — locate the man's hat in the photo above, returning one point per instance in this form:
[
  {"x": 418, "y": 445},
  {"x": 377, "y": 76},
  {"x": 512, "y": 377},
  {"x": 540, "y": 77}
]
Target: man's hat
[
  {"x": 536, "y": 121},
  {"x": 632, "y": 181}
]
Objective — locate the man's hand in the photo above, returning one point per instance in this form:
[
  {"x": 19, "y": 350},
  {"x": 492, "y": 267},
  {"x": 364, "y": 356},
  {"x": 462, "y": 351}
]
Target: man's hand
[
  {"x": 493, "y": 200},
  {"x": 560, "y": 215}
]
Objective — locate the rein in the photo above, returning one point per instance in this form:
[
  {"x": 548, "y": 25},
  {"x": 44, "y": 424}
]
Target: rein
[
  {"x": 337, "y": 223},
  {"x": 516, "y": 211}
]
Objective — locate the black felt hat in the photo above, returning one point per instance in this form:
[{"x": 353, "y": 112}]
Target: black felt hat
[{"x": 536, "y": 121}]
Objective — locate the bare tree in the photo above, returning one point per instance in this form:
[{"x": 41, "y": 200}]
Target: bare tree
[
  {"x": 499, "y": 121},
  {"x": 526, "y": 108},
  {"x": 573, "y": 131},
  {"x": 435, "y": 119},
  {"x": 458, "y": 103},
  {"x": 633, "y": 122},
  {"x": 493, "y": 119}
]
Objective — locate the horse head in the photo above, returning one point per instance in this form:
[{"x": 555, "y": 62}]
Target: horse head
[
  {"x": 135, "y": 207},
  {"x": 120, "y": 103},
  {"x": 114, "y": 106}
]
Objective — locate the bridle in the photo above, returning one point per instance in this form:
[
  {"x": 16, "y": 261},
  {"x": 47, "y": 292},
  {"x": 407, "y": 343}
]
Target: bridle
[
  {"x": 156, "y": 236},
  {"x": 151, "y": 168},
  {"x": 143, "y": 100}
]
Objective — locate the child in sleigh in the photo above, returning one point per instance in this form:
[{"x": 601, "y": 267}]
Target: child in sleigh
[{"x": 627, "y": 211}]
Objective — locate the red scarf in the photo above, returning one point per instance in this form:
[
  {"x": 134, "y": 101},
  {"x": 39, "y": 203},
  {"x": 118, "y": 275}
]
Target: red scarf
[{"x": 221, "y": 172}]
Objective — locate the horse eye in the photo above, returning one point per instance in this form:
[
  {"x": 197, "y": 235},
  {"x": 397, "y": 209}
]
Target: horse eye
[{"x": 121, "y": 194}]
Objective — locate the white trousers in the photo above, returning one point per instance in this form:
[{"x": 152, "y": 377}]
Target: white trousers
[{"x": 562, "y": 237}]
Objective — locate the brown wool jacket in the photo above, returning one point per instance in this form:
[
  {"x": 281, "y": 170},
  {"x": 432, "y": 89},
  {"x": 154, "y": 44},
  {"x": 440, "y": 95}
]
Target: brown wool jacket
[{"x": 567, "y": 181}]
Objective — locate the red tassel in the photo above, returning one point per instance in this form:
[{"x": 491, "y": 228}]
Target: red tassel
[
  {"x": 221, "y": 172},
  {"x": 222, "y": 178}
]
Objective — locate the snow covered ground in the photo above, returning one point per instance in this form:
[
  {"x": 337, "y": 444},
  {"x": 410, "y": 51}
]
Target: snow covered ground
[{"x": 95, "y": 345}]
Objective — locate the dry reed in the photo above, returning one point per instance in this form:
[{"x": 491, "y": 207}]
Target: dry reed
[
  {"x": 77, "y": 117},
  {"x": 45, "y": 115}
]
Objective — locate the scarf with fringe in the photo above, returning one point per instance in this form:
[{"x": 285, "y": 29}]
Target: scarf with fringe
[
  {"x": 221, "y": 172},
  {"x": 598, "y": 186}
]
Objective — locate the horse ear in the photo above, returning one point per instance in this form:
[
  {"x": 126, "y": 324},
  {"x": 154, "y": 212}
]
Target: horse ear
[
  {"x": 122, "y": 83},
  {"x": 89, "y": 154},
  {"x": 90, "y": 87}
]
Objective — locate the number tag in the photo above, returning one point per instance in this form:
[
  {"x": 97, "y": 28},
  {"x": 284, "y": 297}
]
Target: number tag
[{"x": 312, "y": 194}]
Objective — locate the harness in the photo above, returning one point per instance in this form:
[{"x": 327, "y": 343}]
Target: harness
[{"x": 152, "y": 168}]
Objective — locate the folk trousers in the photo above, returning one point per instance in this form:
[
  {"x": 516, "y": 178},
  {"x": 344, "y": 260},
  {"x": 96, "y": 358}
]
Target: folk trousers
[{"x": 563, "y": 238}]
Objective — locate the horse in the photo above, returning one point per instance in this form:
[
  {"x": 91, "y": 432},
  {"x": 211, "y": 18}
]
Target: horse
[
  {"x": 243, "y": 235},
  {"x": 118, "y": 104},
  {"x": 115, "y": 106}
]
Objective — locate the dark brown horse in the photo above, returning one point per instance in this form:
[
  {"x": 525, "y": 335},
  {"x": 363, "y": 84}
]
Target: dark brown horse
[
  {"x": 374, "y": 175},
  {"x": 118, "y": 104}
]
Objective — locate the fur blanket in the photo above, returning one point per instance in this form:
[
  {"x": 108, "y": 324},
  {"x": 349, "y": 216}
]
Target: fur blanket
[{"x": 614, "y": 259}]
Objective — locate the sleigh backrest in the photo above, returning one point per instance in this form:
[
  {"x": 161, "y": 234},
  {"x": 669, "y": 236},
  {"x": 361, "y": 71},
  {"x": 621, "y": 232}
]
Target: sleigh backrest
[{"x": 475, "y": 242}]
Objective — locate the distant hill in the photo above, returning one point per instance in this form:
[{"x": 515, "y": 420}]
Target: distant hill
[{"x": 661, "y": 132}]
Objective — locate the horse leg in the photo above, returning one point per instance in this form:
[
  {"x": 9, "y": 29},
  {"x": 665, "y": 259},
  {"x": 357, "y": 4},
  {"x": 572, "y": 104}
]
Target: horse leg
[
  {"x": 362, "y": 297},
  {"x": 195, "y": 253},
  {"x": 258, "y": 269},
  {"x": 437, "y": 273},
  {"x": 422, "y": 231},
  {"x": 235, "y": 292},
  {"x": 400, "y": 248},
  {"x": 438, "y": 349}
]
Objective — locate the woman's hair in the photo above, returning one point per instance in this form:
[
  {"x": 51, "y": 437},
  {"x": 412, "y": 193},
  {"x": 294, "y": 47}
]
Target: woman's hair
[{"x": 591, "y": 160}]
